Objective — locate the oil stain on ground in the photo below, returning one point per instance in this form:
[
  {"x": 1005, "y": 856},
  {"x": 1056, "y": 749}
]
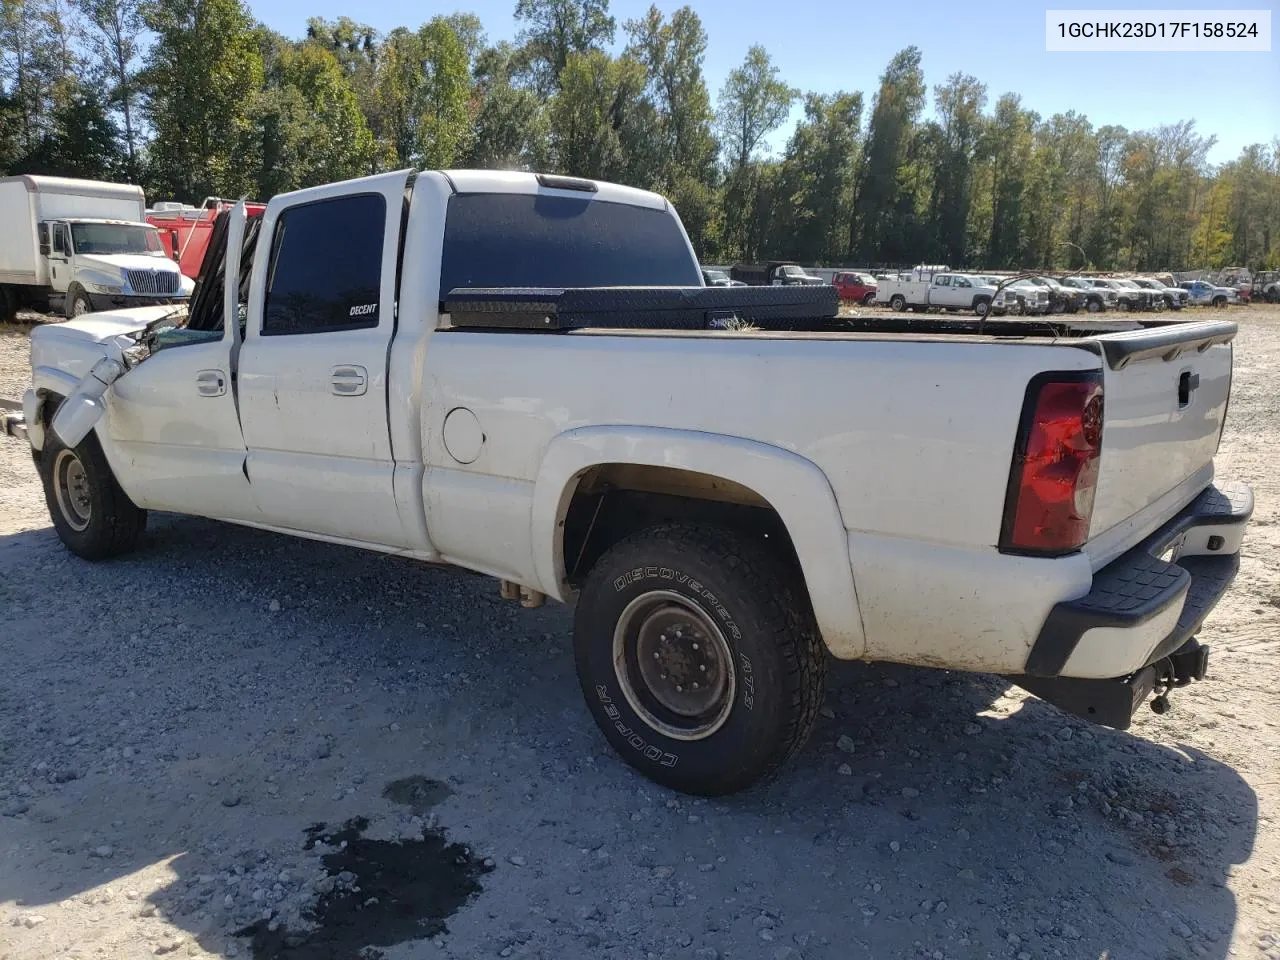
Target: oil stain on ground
[{"x": 384, "y": 892}]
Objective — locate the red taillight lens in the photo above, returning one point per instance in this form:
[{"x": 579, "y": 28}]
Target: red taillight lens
[{"x": 1055, "y": 468}]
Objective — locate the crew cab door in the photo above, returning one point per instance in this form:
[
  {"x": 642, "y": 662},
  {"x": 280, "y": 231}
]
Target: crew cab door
[
  {"x": 940, "y": 293},
  {"x": 313, "y": 370},
  {"x": 173, "y": 416}
]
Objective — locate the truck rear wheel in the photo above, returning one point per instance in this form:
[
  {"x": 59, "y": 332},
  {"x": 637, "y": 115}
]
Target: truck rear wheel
[
  {"x": 698, "y": 657},
  {"x": 982, "y": 306},
  {"x": 898, "y": 303},
  {"x": 8, "y": 304},
  {"x": 93, "y": 516}
]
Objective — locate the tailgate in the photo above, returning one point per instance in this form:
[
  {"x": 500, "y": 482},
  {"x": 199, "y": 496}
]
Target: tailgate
[{"x": 1165, "y": 395}]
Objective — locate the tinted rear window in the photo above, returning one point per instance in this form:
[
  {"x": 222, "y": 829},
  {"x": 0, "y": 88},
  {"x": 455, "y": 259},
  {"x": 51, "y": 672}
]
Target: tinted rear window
[{"x": 536, "y": 240}]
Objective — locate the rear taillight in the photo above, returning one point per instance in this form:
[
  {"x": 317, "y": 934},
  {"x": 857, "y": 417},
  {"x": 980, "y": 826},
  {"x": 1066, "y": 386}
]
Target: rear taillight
[{"x": 1055, "y": 466}]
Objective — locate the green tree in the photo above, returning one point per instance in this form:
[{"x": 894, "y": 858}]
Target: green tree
[
  {"x": 82, "y": 140},
  {"x": 31, "y": 63},
  {"x": 956, "y": 135},
  {"x": 312, "y": 129},
  {"x": 113, "y": 33},
  {"x": 600, "y": 119},
  {"x": 509, "y": 131},
  {"x": 555, "y": 30},
  {"x": 885, "y": 223},
  {"x": 443, "y": 121},
  {"x": 203, "y": 76},
  {"x": 753, "y": 103},
  {"x": 684, "y": 166},
  {"x": 816, "y": 179}
]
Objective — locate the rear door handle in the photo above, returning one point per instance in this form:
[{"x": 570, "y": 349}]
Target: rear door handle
[
  {"x": 349, "y": 380},
  {"x": 211, "y": 383}
]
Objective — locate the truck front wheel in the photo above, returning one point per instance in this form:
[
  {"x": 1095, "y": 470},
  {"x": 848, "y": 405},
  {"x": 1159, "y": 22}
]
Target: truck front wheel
[
  {"x": 93, "y": 517},
  {"x": 77, "y": 303},
  {"x": 699, "y": 657},
  {"x": 982, "y": 306}
]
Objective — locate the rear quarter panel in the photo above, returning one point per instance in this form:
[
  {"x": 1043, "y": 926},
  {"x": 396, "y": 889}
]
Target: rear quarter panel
[{"x": 915, "y": 437}]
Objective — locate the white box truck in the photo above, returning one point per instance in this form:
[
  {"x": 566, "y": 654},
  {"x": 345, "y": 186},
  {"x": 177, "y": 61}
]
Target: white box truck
[{"x": 80, "y": 246}]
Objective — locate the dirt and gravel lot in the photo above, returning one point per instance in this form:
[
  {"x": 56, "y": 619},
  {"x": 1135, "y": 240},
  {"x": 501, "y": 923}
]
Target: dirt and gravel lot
[{"x": 232, "y": 743}]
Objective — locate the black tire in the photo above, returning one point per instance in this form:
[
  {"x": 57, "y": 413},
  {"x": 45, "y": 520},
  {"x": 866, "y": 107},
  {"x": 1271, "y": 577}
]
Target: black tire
[
  {"x": 982, "y": 306},
  {"x": 869, "y": 299},
  {"x": 1057, "y": 307},
  {"x": 1094, "y": 306},
  {"x": 8, "y": 304},
  {"x": 93, "y": 517},
  {"x": 77, "y": 302},
  {"x": 761, "y": 651},
  {"x": 897, "y": 303},
  {"x": 1220, "y": 302}
]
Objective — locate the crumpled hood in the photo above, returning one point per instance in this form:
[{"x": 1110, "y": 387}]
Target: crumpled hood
[
  {"x": 100, "y": 327},
  {"x": 112, "y": 263},
  {"x": 69, "y": 349}
]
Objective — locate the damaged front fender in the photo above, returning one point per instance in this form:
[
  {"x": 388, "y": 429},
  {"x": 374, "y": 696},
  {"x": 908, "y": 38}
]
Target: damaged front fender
[{"x": 82, "y": 410}]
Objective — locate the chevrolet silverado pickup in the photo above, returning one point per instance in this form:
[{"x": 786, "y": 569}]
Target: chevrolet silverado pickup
[{"x": 523, "y": 375}]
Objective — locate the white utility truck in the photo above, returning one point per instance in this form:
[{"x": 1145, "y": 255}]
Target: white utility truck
[
  {"x": 926, "y": 287},
  {"x": 523, "y": 375},
  {"x": 79, "y": 246}
]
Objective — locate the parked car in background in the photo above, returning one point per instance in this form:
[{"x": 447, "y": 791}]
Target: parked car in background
[
  {"x": 1096, "y": 299},
  {"x": 1031, "y": 298},
  {"x": 1127, "y": 297},
  {"x": 775, "y": 273},
  {"x": 718, "y": 278},
  {"x": 1239, "y": 279},
  {"x": 1201, "y": 293},
  {"x": 1062, "y": 299},
  {"x": 1266, "y": 286},
  {"x": 855, "y": 287},
  {"x": 1175, "y": 298}
]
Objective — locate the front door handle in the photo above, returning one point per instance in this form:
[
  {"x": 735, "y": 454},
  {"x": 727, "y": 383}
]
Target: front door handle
[
  {"x": 349, "y": 380},
  {"x": 211, "y": 383}
]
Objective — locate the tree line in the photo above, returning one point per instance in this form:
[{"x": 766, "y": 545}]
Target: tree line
[{"x": 195, "y": 98}]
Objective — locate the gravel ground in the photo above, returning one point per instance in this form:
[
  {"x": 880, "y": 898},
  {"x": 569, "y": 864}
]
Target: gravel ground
[{"x": 232, "y": 743}]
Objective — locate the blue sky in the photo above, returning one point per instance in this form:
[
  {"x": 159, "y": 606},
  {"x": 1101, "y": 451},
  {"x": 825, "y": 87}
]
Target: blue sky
[{"x": 821, "y": 46}]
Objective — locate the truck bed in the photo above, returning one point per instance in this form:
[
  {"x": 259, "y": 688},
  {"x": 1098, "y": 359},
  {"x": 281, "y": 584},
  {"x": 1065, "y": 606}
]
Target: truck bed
[{"x": 786, "y": 310}]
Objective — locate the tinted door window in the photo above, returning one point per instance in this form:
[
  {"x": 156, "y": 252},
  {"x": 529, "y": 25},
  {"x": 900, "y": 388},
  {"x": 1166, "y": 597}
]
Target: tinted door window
[
  {"x": 539, "y": 240},
  {"x": 326, "y": 266}
]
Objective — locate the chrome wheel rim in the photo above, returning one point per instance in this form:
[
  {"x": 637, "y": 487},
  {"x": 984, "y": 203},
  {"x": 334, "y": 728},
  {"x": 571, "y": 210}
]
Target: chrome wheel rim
[
  {"x": 674, "y": 666},
  {"x": 71, "y": 489}
]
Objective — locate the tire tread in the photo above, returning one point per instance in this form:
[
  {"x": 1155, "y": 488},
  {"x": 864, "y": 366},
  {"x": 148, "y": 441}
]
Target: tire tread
[{"x": 786, "y": 614}]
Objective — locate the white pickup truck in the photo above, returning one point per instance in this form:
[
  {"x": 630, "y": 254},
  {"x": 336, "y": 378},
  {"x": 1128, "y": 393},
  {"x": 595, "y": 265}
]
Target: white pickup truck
[
  {"x": 523, "y": 375},
  {"x": 936, "y": 287}
]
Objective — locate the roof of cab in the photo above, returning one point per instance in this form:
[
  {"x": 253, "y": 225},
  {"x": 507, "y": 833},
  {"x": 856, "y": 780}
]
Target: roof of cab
[{"x": 514, "y": 181}]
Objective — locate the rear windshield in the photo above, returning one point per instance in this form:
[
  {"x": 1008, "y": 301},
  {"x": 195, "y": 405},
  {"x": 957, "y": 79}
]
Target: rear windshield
[{"x": 537, "y": 240}]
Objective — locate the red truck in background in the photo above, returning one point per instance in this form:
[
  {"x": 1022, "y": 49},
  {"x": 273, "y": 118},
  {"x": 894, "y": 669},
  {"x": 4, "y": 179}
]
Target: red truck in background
[
  {"x": 857, "y": 287},
  {"x": 185, "y": 230}
]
